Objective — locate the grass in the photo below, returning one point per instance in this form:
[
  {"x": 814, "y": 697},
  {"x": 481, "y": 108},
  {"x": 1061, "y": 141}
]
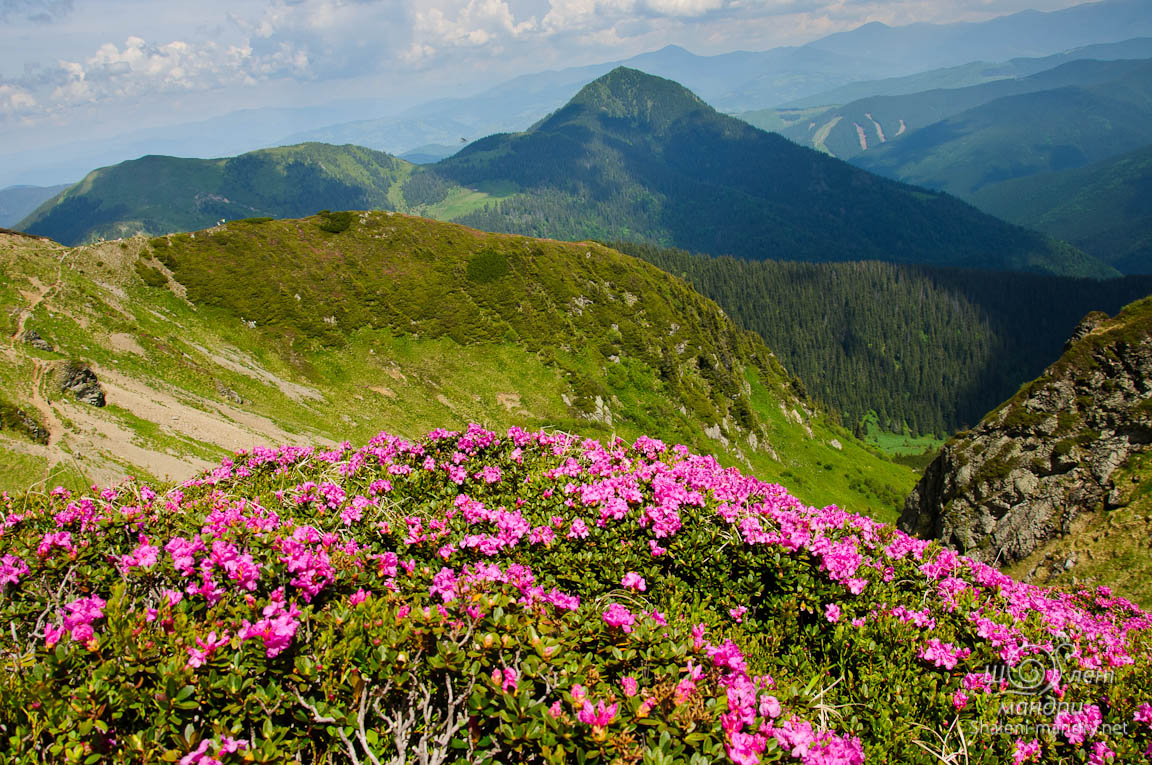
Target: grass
[{"x": 425, "y": 332}]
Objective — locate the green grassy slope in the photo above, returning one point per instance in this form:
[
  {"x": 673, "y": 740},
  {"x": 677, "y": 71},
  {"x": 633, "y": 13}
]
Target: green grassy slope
[
  {"x": 1023, "y": 135},
  {"x": 157, "y": 195},
  {"x": 1105, "y": 208},
  {"x": 284, "y": 331}
]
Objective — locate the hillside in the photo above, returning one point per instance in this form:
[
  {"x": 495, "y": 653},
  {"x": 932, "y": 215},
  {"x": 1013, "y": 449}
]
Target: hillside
[
  {"x": 912, "y": 348},
  {"x": 869, "y": 123},
  {"x": 532, "y": 597},
  {"x": 1060, "y": 469},
  {"x": 1018, "y": 136},
  {"x": 159, "y": 195},
  {"x": 332, "y": 327},
  {"x": 636, "y": 157},
  {"x": 1105, "y": 208}
]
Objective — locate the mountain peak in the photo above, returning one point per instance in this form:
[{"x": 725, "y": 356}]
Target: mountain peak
[{"x": 630, "y": 94}]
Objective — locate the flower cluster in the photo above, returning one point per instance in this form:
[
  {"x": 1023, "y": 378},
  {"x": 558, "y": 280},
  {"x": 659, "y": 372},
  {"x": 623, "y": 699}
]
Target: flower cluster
[{"x": 531, "y": 592}]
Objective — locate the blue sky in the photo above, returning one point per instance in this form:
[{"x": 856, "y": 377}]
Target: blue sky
[{"x": 89, "y": 68}]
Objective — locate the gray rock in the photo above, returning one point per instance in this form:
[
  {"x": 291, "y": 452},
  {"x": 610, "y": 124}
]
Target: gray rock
[
  {"x": 32, "y": 338},
  {"x": 1022, "y": 476},
  {"x": 78, "y": 379}
]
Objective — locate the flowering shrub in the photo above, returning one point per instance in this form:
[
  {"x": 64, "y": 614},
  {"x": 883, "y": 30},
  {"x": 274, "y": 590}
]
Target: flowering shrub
[{"x": 531, "y": 597}]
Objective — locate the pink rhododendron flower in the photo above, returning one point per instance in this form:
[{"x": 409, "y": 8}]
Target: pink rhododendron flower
[
  {"x": 1144, "y": 714},
  {"x": 619, "y": 616},
  {"x": 737, "y": 613},
  {"x": 600, "y": 717},
  {"x": 359, "y": 596},
  {"x": 1025, "y": 752},
  {"x": 629, "y": 686},
  {"x": 1101, "y": 754},
  {"x": 11, "y": 569},
  {"x": 959, "y": 700},
  {"x": 832, "y": 612},
  {"x": 634, "y": 581},
  {"x": 1078, "y": 726}
]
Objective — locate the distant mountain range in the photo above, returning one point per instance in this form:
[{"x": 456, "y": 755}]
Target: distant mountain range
[
  {"x": 871, "y": 123},
  {"x": 632, "y": 156},
  {"x": 16, "y": 202},
  {"x": 739, "y": 81},
  {"x": 968, "y": 74},
  {"x": 1046, "y": 130}
]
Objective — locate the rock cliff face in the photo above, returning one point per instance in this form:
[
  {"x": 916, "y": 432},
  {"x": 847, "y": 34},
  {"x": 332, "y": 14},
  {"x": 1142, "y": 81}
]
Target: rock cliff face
[{"x": 1047, "y": 455}]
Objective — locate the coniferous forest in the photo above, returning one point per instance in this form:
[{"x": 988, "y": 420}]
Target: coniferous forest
[{"x": 928, "y": 349}]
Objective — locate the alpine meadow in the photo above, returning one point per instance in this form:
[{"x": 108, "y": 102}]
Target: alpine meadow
[{"x": 543, "y": 381}]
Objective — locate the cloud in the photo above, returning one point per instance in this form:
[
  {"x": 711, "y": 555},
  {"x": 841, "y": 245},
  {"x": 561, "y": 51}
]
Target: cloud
[
  {"x": 36, "y": 11},
  {"x": 476, "y": 24},
  {"x": 138, "y": 68}
]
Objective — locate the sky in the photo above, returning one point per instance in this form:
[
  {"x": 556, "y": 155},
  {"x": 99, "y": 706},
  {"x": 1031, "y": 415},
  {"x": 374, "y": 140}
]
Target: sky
[{"x": 96, "y": 68}]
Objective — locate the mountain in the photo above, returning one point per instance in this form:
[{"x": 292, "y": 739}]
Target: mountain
[
  {"x": 634, "y": 156},
  {"x": 1061, "y": 466},
  {"x": 17, "y": 201},
  {"x": 314, "y": 330},
  {"x": 158, "y": 195},
  {"x": 1026, "y": 34},
  {"x": 1105, "y": 208},
  {"x": 511, "y": 596},
  {"x": 971, "y": 73},
  {"x": 1027, "y": 134},
  {"x": 872, "y": 123}
]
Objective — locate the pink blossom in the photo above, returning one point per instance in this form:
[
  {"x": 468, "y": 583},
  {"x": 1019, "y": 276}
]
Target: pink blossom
[
  {"x": 959, "y": 699},
  {"x": 832, "y": 612},
  {"x": 359, "y": 596},
  {"x": 634, "y": 581},
  {"x": 1078, "y": 726},
  {"x": 943, "y": 655},
  {"x": 1144, "y": 714},
  {"x": 600, "y": 717},
  {"x": 629, "y": 686},
  {"x": 1101, "y": 754},
  {"x": 11, "y": 569},
  {"x": 1024, "y": 752},
  {"x": 619, "y": 616},
  {"x": 737, "y": 613}
]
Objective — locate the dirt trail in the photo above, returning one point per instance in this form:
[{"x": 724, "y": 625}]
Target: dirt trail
[{"x": 39, "y": 367}]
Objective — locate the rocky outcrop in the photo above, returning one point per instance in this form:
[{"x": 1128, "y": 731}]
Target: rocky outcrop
[
  {"x": 1046, "y": 456},
  {"x": 78, "y": 379},
  {"x": 32, "y": 337},
  {"x": 23, "y": 422}
]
